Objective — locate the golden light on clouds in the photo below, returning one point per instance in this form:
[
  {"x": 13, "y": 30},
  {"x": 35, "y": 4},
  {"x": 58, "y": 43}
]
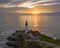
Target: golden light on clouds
[
  {"x": 37, "y": 10},
  {"x": 34, "y": 11}
]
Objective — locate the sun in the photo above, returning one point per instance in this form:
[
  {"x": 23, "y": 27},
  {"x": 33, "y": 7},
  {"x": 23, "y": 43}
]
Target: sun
[{"x": 35, "y": 12}]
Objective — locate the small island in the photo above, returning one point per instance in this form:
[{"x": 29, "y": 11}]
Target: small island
[{"x": 31, "y": 39}]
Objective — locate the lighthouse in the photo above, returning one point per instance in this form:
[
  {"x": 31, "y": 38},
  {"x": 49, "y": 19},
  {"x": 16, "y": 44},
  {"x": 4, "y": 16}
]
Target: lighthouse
[{"x": 26, "y": 27}]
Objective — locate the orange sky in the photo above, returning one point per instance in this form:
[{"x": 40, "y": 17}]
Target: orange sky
[{"x": 35, "y": 10}]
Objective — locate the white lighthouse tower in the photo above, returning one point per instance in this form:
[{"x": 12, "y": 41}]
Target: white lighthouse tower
[{"x": 26, "y": 27}]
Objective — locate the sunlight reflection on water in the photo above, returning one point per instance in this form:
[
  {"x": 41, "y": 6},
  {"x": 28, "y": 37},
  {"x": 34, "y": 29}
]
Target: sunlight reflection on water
[{"x": 49, "y": 25}]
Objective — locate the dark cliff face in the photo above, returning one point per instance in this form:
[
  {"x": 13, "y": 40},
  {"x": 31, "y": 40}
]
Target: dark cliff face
[{"x": 15, "y": 40}]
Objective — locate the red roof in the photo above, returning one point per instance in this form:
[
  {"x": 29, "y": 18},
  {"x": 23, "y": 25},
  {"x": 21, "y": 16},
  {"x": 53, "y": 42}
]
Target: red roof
[
  {"x": 27, "y": 37},
  {"x": 35, "y": 33}
]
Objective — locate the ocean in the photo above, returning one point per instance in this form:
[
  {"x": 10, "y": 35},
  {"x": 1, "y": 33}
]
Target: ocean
[{"x": 49, "y": 25}]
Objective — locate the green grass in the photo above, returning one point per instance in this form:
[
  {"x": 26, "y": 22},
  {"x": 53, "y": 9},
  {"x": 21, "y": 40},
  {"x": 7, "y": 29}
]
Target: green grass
[
  {"x": 49, "y": 47},
  {"x": 49, "y": 39}
]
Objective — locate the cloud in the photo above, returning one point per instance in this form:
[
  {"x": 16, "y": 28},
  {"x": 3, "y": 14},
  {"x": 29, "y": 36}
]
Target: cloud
[
  {"x": 56, "y": 0},
  {"x": 52, "y": 8},
  {"x": 12, "y": 6},
  {"x": 13, "y": 11},
  {"x": 51, "y": 14},
  {"x": 4, "y": 1},
  {"x": 27, "y": 3}
]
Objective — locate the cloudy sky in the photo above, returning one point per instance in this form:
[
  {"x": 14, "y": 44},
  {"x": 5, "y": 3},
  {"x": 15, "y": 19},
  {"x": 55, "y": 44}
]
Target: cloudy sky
[{"x": 18, "y": 7}]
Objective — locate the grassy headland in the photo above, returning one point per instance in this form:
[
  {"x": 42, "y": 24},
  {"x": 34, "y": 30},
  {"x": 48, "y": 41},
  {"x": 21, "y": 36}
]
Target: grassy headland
[{"x": 49, "y": 39}]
